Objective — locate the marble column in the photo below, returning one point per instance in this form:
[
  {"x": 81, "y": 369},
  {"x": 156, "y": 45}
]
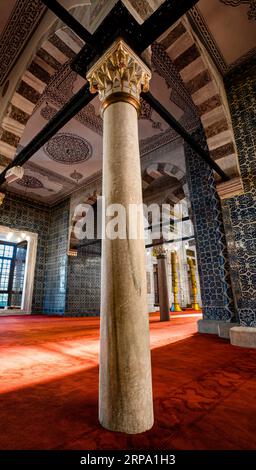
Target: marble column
[
  {"x": 163, "y": 288},
  {"x": 125, "y": 389},
  {"x": 194, "y": 303},
  {"x": 175, "y": 283}
]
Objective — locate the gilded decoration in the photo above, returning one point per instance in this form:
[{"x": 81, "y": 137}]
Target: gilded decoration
[{"x": 119, "y": 71}]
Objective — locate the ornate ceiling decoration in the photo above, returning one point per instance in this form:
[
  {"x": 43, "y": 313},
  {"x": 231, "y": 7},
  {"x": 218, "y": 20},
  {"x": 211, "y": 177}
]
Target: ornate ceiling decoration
[
  {"x": 22, "y": 22},
  {"x": 75, "y": 175},
  {"x": 30, "y": 182},
  {"x": 201, "y": 28},
  {"x": 68, "y": 149},
  {"x": 237, "y": 3},
  {"x": 58, "y": 91}
]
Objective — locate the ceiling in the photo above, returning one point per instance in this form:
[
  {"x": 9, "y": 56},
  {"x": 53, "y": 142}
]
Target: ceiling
[
  {"x": 74, "y": 156},
  {"x": 5, "y": 11},
  {"x": 227, "y": 28}
]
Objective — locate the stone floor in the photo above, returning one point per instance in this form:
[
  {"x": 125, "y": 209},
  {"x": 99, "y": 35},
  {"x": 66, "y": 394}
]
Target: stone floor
[{"x": 204, "y": 388}]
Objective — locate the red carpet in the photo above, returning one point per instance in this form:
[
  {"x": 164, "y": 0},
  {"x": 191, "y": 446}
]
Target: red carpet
[{"x": 204, "y": 388}]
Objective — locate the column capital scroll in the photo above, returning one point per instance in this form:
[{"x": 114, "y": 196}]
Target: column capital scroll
[{"x": 119, "y": 75}]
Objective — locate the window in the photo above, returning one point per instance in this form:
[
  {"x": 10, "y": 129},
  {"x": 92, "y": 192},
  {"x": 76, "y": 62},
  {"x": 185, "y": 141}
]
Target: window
[{"x": 12, "y": 269}]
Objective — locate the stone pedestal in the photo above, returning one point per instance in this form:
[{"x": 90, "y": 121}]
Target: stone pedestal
[
  {"x": 125, "y": 389},
  {"x": 210, "y": 326},
  {"x": 224, "y": 329},
  {"x": 163, "y": 288},
  {"x": 243, "y": 336},
  {"x": 216, "y": 327}
]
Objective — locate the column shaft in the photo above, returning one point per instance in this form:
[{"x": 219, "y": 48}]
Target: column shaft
[{"x": 125, "y": 396}]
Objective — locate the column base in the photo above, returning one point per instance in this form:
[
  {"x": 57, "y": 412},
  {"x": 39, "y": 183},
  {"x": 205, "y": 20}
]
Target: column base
[
  {"x": 165, "y": 316},
  {"x": 224, "y": 329},
  {"x": 210, "y": 326},
  {"x": 175, "y": 308},
  {"x": 196, "y": 307},
  {"x": 133, "y": 429},
  {"x": 243, "y": 336}
]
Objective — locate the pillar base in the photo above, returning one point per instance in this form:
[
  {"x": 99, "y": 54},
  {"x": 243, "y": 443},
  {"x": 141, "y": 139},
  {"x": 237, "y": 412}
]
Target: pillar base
[
  {"x": 175, "y": 308},
  {"x": 209, "y": 326},
  {"x": 136, "y": 428},
  {"x": 224, "y": 329},
  {"x": 165, "y": 316},
  {"x": 196, "y": 307},
  {"x": 243, "y": 336}
]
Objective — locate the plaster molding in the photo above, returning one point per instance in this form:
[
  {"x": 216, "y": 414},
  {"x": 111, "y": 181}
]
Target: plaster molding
[{"x": 23, "y": 21}]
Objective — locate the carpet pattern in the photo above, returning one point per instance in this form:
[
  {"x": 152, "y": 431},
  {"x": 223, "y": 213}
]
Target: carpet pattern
[{"x": 204, "y": 388}]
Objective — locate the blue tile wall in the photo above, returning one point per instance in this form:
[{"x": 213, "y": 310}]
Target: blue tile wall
[
  {"x": 84, "y": 277},
  {"x": 23, "y": 214},
  {"x": 213, "y": 262},
  {"x": 239, "y": 212},
  {"x": 83, "y": 291},
  {"x": 57, "y": 260}
]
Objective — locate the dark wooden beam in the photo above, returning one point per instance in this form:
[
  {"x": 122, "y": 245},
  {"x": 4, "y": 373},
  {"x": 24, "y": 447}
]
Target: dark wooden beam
[
  {"x": 69, "y": 20},
  {"x": 169, "y": 119},
  {"x": 121, "y": 23}
]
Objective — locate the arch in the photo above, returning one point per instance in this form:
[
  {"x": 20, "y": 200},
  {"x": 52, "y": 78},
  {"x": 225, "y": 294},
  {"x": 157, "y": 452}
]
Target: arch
[
  {"x": 203, "y": 90},
  {"x": 160, "y": 172},
  {"x": 205, "y": 86},
  {"x": 54, "y": 50}
]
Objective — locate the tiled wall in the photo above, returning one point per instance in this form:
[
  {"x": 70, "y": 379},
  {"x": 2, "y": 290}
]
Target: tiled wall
[
  {"x": 239, "y": 212},
  {"x": 57, "y": 260},
  {"x": 22, "y": 214},
  {"x": 62, "y": 285},
  {"x": 213, "y": 263},
  {"x": 83, "y": 291}
]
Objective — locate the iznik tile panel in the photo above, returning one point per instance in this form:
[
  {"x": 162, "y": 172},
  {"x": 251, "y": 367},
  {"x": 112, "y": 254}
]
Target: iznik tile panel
[
  {"x": 240, "y": 211},
  {"x": 213, "y": 262}
]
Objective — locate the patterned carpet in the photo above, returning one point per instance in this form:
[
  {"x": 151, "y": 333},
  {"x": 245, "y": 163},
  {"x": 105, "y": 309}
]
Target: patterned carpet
[{"x": 204, "y": 388}]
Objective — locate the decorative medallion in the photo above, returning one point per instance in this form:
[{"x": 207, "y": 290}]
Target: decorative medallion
[
  {"x": 236, "y": 3},
  {"x": 68, "y": 149},
  {"x": 30, "y": 182}
]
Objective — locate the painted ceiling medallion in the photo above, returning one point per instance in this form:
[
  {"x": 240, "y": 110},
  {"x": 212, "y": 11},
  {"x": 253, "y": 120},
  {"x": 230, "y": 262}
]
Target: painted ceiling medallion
[
  {"x": 68, "y": 149},
  {"x": 236, "y": 3},
  {"x": 30, "y": 182}
]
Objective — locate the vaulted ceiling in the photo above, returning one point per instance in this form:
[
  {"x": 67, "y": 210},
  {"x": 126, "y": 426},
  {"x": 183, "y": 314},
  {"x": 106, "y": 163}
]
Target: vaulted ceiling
[{"x": 181, "y": 81}]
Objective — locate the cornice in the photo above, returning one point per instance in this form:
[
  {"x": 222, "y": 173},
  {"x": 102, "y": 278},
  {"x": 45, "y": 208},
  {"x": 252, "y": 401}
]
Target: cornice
[{"x": 21, "y": 24}]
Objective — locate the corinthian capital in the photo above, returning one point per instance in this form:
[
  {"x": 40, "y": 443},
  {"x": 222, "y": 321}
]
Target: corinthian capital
[{"x": 119, "y": 70}]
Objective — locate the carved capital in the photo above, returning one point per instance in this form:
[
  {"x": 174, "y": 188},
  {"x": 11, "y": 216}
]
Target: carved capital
[
  {"x": 159, "y": 251},
  {"x": 119, "y": 72}
]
